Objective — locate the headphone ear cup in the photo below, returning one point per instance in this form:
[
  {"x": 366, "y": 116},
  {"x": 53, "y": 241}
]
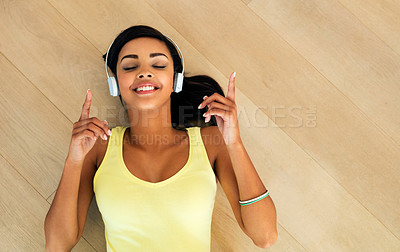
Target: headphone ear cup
[
  {"x": 178, "y": 82},
  {"x": 113, "y": 85}
]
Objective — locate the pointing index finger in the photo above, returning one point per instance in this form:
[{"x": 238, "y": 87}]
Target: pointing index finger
[
  {"x": 86, "y": 105},
  {"x": 231, "y": 87}
]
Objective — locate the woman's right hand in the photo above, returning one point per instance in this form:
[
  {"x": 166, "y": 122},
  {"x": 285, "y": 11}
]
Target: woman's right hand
[{"x": 85, "y": 132}]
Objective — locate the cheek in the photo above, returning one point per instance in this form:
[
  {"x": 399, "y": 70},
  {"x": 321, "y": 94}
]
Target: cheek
[
  {"x": 125, "y": 79},
  {"x": 169, "y": 78},
  {"x": 166, "y": 78}
]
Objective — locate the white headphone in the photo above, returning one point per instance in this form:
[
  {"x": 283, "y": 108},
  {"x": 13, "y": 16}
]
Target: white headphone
[{"x": 178, "y": 77}]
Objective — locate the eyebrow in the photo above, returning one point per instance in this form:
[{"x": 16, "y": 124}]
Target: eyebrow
[{"x": 152, "y": 55}]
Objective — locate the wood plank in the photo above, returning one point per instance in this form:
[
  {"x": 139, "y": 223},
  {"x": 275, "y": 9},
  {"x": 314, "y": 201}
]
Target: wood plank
[
  {"x": 33, "y": 154},
  {"x": 37, "y": 133},
  {"x": 56, "y": 58},
  {"x": 382, "y": 17},
  {"x": 22, "y": 214},
  {"x": 343, "y": 141},
  {"x": 311, "y": 205},
  {"x": 365, "y": 70},
  {"x": 346, "y": 52}
]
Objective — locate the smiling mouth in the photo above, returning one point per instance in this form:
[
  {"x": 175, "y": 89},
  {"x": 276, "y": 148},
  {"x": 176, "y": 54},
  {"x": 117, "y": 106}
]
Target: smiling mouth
[{"x": 145, "y": 90}]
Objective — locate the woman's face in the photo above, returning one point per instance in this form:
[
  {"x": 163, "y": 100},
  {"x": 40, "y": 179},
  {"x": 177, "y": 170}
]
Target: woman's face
[{"x": 145, "y": 60}]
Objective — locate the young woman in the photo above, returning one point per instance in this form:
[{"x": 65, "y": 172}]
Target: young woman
[{"x": 155, "y": 181}]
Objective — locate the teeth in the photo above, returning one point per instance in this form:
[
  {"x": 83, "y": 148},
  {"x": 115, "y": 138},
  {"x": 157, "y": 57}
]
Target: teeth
[{"x": 145, "y": 88}]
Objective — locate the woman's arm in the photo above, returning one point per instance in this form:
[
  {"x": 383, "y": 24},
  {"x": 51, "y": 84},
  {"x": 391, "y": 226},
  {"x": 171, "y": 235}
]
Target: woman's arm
[
  {"x": 66, "y": 217},
  {"x": 259, "y": 218},
  {"x": 61, "y": 224},
  {"x": 240, "y": 181},
  {"x": 236, "y": 172}
]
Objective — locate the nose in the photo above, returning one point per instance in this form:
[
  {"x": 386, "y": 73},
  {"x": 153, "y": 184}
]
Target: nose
[{"x": 145, "y": 73}]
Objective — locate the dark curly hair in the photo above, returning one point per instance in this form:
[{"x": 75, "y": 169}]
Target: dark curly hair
[{"x": 184, "y": 111}]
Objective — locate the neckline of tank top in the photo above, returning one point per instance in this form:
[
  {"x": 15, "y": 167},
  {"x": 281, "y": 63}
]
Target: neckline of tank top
[{"x": 165, "y": 181}]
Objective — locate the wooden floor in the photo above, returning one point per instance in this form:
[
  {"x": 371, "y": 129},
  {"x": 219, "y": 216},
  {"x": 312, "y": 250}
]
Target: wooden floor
[{"x": 317, "y": 89}]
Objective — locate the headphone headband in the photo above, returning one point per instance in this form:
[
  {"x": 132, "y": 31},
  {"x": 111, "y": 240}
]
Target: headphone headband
[
  {"x": 179, "y": 51},
  {"x": 108, "y": 76}
]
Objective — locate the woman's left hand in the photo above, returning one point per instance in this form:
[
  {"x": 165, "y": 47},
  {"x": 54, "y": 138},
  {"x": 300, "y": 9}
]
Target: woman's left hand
[{"x": 225, "y": 112}]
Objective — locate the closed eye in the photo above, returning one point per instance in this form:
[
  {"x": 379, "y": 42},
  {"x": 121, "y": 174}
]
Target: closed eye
[{"x": 131, "y": 68}]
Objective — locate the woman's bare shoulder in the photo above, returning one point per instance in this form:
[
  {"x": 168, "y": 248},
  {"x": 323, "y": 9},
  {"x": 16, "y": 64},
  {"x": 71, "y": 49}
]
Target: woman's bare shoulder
[
  {"x": 211, "y": 136},
  {"x": 212, "y": 141}
]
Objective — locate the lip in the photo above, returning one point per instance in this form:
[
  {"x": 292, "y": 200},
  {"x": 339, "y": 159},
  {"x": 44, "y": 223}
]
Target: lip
[
  {"x": 146, "y": 92},
  {"x": 145, "y": 84}
]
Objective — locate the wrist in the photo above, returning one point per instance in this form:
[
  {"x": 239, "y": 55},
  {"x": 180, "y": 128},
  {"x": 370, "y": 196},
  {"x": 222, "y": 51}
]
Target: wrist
[
  {"x": 235, "y": 146},
  {"x": 71, "y": 162}
]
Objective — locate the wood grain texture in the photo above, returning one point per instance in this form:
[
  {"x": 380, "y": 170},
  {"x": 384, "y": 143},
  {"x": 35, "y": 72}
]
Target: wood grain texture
[
  {"x": 346, "y": 52},
  {"x": 366, "y": 71},
  {"x": 22, "y": 213},
  {"x": 317, "y": 95},
  {"x": 381, "y": 17},
  {"x": 34, "y": 132},
  {"x": 55, "y": 57}
]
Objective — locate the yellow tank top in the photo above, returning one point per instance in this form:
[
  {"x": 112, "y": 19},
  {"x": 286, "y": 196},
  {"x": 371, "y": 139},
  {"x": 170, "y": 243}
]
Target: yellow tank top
[{"x": 172, "y": 215}]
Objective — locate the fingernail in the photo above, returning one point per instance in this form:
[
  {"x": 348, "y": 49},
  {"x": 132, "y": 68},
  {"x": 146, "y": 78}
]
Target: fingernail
[
  {"x": 204, "y": 114},
  {"x": 205, "y": 97},
  {"x": 105, "y": 121},
  {"x": 87, "y": 91},
  {"x": 207, "y": 120},
  {"x": 109, "y": 132},
  {"x": 105, "y": 137},
  {"x": 199, "y": 106},
  {"x": 234, "y": 74}
]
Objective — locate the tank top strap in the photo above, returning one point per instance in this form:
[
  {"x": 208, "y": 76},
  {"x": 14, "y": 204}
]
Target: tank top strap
[
  {"x": 196, "y": 142},
  {"x": 116, "y": 138},
  {"x": 115, "y": 141},
  {"x": 111, "y": 156},
  {"x": 195, "y": 138},
  {"x": 194, "y": 133}
]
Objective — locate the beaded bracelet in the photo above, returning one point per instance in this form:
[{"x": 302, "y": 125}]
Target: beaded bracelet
[{"x": 251, "y": 201}]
